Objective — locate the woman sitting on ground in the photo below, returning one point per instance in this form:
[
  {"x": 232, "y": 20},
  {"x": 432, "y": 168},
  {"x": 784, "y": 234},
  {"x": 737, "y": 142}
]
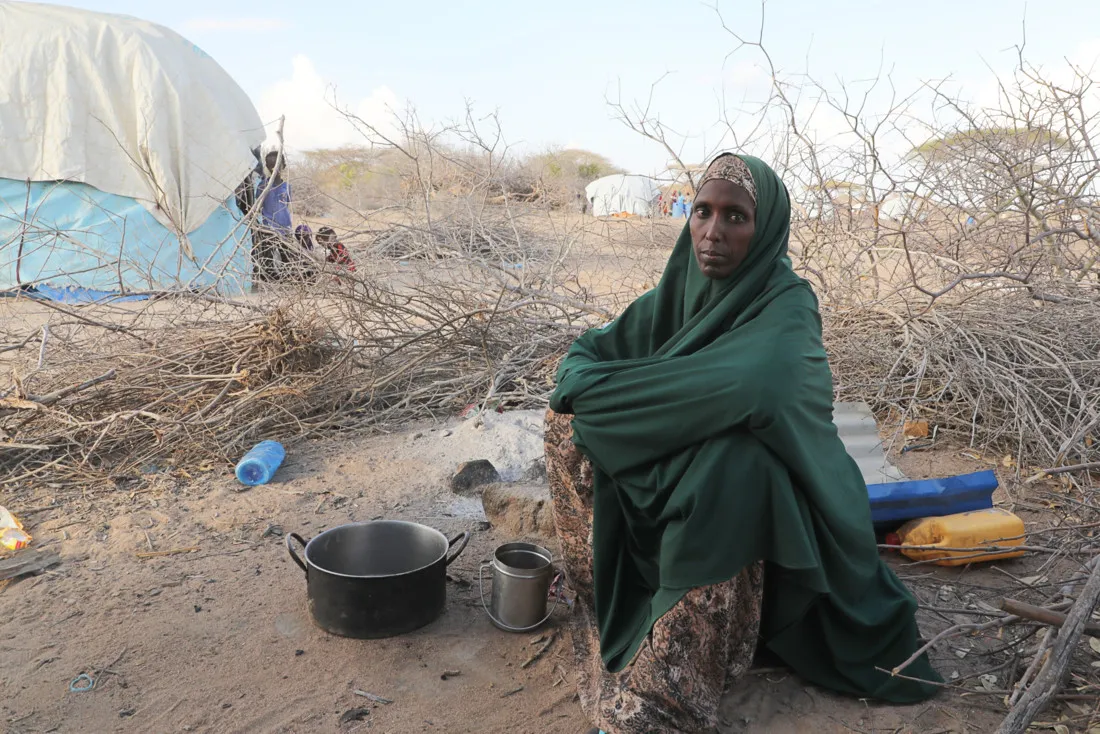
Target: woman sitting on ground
[{"x": 705, "y": 504}]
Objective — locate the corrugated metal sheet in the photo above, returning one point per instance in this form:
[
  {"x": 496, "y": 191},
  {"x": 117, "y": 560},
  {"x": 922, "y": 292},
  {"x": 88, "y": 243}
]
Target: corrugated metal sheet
[{"x": 859, "y": 432}]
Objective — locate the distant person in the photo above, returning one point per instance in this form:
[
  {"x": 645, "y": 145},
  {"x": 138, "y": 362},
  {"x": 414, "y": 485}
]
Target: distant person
[
  {"x": 682, "y": 206},
  {"x": 246, "y": 191},
  {"x": 303, "y": 235},
  {"x": 245, "y": 195},
  {"x": 335, "y": 251},
  {"x": 307, "y": 258},
  {"x": 271, "y": 239},
  {"x": 677, "y": 205}
]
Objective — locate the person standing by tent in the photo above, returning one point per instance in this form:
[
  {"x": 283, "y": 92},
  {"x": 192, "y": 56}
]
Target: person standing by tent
[
  {"x": 245, "y": 193},
  {"x": 270, "y": 242}
]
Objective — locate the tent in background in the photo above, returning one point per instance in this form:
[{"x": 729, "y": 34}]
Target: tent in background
[
  {"x": 123, "y": 145},
  {"x": 623, "y": 194}
]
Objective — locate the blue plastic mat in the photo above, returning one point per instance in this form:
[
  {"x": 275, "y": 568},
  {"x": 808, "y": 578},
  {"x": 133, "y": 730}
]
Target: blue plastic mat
[{"x": 896, "y": 502}]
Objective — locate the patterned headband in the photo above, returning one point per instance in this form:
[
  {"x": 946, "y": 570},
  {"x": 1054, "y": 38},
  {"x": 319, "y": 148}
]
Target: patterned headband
[{"x": 729, "y": 167}]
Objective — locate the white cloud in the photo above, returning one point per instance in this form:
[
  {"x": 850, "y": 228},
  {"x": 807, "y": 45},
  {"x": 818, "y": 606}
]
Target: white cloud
[
  {"x": 237, "y": 25},
  {"x": 306, "y": 99},
  {"x": 741, "y": 79},
  {"x": 1086, "y": 55},
  {"x": 746, "y": 73}
]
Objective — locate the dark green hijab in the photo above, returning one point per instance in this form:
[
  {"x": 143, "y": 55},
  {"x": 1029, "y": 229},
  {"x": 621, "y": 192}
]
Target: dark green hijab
[{"x": 706, "y": 410}]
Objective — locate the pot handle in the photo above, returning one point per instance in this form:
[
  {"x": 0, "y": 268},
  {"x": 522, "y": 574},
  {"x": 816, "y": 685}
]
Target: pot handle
[
  {"x": 290, "y": 549},
  {"x": 465, "y": 538}
]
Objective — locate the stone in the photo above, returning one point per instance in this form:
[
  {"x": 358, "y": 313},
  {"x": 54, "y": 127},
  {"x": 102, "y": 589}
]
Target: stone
[
  {"x": 535, "y": 472},
  {"x": 519, "y": 510},
  {"x": 472, "y": 475}
]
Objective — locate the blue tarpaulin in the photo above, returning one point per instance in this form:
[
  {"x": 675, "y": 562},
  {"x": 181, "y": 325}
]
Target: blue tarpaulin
[
  {"x": 897, "y": 502},
  {"x": 70, "y": 234},
  {"x": 74, "y": 294}
]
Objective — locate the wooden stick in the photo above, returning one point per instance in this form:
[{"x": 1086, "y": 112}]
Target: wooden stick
[
  {"x": 1041, "y": 614},
  {"x": 20, "y": 345},
  {"x": 979, "y": 550},
  {"x": 1032, "y": 668},
  {"x": 1075, "y": 467},
  {"x": 51, "y": 398},
  {"x": 1053, "y": 671},
  {"x": 91, "y": 322},
  {"x": 373, "y": 697},
  {"x": 541, "y": 651},
  {"x": 33, "y": 510},
  {"x": 27, "y": 562},
  {"x": 107, "y": 668},
  {"x": 953, "y": 632},
  {"x": 173, "y": 552}
]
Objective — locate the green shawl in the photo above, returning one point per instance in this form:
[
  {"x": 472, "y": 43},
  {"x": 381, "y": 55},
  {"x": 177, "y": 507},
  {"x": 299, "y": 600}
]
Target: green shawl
[{"x": 706, "y": 410}]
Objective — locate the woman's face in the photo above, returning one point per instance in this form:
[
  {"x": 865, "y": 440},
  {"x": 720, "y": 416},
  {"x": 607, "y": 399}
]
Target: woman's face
[{"x": 722, "y": 225}]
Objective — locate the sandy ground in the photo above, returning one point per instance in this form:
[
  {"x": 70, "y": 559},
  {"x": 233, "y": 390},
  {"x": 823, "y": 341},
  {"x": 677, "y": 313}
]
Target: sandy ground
[{"x": 219, "y": 639}]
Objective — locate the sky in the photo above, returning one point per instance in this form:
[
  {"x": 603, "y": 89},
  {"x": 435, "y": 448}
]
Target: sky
[{"x": 549, "y": 71}]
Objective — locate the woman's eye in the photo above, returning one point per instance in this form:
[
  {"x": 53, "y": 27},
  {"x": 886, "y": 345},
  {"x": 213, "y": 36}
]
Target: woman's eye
[{"x": 737, "y": 218}]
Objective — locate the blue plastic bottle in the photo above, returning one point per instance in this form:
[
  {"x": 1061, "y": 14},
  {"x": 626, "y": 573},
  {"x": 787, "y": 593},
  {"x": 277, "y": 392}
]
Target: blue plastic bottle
[{"x": 259, "y": 464}]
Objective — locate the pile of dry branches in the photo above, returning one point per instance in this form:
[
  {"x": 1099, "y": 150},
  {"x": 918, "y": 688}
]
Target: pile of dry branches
[
  {"x": 185, "y": 395},
  {"x": 1010, "y": 374},
  {"x": 999, "y": 372},
  {"x": 492, "y": 236},
  {"x": 180, "y": 398}
]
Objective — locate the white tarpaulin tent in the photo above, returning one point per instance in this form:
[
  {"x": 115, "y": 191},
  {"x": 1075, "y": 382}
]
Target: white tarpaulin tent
[
  {"x": 121, "y": 147},
  {"x": 123, "y": 105},
  {"x": 623, "y": 194}
]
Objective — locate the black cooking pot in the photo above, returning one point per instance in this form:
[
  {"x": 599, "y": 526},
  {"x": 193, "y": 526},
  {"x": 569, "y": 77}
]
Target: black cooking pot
[{"x": 376, "y": 579}]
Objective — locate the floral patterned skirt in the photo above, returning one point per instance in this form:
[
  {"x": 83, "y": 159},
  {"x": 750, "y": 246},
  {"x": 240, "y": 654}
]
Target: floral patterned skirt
[{"x": 694, "y": 652}]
